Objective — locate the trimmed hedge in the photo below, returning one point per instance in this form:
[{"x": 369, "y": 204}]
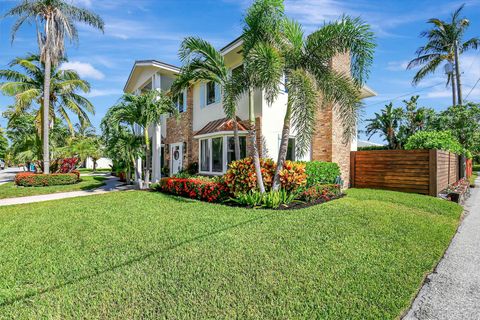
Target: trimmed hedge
[
  {"x": 210, "y": 191},
  {"x": 30, "y": 179},
  {"x": 442, "y": 140},
  {"x": 319, "y": 172}
]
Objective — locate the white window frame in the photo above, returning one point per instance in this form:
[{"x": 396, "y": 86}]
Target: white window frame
[
  {"x": 225, "y": 137},
  {"x": 206, "y": 94},
  {"x": 177, "y": 102}
]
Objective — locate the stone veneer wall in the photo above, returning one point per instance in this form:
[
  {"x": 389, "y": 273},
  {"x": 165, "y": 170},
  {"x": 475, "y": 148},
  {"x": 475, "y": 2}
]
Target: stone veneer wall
[
  {"x": 181, "y": 130},
  {"x": 327, "y": 142}
]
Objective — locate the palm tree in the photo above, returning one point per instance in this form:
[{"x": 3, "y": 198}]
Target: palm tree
[
  {"x": 27, "y": 87},
  {"x": 144, "y": 111},
  {"x": 262, "y": 64},
  {"x": 444, "y": 44},
  {"x": 203, "y": 63},
  {"x": 387, "y": 123},
  {"x": 55, "y": 20}
]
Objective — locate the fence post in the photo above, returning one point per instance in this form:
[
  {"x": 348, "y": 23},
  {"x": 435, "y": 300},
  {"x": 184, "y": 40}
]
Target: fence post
[
  {"x": 352, "y": 168},
  {"x": 432, "y": 166}
]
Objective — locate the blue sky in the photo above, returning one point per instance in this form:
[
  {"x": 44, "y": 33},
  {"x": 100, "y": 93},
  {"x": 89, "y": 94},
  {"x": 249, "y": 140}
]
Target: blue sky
[{"x": 153, "y": 29}]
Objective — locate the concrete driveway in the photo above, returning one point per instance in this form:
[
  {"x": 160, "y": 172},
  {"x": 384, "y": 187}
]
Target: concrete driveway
[{"x": 8, "y": 174}]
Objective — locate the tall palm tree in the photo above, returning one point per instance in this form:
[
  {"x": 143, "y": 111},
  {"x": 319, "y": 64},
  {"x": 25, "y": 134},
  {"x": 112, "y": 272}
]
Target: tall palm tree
[
  {"x": 55, "y": 20},
  {"x": 387, "y": 123},
  {"x": 144, "y": 111},
  {"x": 262, "y": 64},
  {"x": 202, "y": 62},
  {"x": 307, "y": 68},
  {"x": 27, "y": 87},
  {"x": 444, "y": 44}
]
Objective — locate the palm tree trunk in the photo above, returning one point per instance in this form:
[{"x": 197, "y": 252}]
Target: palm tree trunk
[
  {"x": 127, "y": 175},
  {"x": 45, "y": 113},
  {"x": 253, "y": 141},
  {"x": 457, "y": 73},
  {"x": 147, "y": 158},
  {"x": 282, "y": 153},
  {"x": 454, "y": 90},
  {"x": 236, "y": 139}
]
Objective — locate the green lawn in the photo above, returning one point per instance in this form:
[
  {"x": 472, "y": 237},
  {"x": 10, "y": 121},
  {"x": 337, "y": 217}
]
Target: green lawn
[
  {"x": 10, "y": 190},
  {"x": 85, "y": 170},
  {"x": 147, "y": 255}
]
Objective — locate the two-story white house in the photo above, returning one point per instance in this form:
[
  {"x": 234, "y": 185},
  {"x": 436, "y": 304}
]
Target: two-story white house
[{"x": 203, "y": 135}]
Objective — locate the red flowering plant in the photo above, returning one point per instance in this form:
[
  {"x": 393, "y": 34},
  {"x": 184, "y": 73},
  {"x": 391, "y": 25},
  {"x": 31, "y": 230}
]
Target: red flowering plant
[
  {"x": 68, "y": 165},
  {"x": 210, "y": 191}
]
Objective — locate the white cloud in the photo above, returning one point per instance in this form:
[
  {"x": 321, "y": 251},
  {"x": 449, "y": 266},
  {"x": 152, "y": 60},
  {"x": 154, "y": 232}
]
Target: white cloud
[
  {"x": 84, "y": 69},
  {"x": 397, "y": 65},
  {"x": 103, "y": 92}
]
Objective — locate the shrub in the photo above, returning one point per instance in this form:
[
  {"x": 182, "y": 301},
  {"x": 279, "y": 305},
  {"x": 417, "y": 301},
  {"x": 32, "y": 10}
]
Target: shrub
[
  {"x": 67, "y": 165},
  {"x": 271, "y": 199},
  {"x": 321, "y": 192},
  {"x": 209, "y": 191},
  {"x": 241, "y": 177},
  {"x": 29, "y": 179},
  {"x": 370, "y": 148},
  {"x": 442, "y": 140},
  {"x": 321, "y": 172}
]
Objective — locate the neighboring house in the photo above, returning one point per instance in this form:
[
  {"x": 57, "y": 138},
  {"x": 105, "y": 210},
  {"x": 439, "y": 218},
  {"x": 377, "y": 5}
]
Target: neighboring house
[
  {"x": 365, "y": 143},
  {"x": 102, "y": 163},
  {"x": 202, "y": 134}
]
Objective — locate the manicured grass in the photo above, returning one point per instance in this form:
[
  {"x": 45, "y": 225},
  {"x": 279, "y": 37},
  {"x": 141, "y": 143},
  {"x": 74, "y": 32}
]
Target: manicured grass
[
  {"x": 148, "y": 255},
  {"x": 472, "y": 178},
  {"x": 10, "y": 190},
  {"x": 85, "y": 170}
]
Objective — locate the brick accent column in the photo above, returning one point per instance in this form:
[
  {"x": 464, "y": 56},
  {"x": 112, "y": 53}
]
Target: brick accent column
[{"x": 328, "y": 143}]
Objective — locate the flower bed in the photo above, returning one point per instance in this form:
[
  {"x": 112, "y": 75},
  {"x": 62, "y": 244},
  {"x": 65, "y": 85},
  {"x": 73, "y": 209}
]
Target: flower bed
[
  {"x": 29, "y": 179},
  {"x": 457, "y": 192},
  {"x": 209, "y": 191}
]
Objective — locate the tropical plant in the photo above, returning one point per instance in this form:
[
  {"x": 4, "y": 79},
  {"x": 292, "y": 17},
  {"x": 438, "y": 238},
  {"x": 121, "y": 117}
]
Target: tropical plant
[
  {"x": 201, "y": 62},
  {"x": 387, "y": 122},
  {"x": 85, "y": 147},
  {"x": 271, "y": 199},
  {"x": 3, "y": 144},
  {"x": 319, "y": 172},
  {"x": 262, "y": 65},
  {"x": 307, "y": 66},
  {"x": 27, "y": 87},
  {"x": 463, "y": 122},
  {"x": 414, "y": 119},
  {"x": 55, "y": 20},
  {"x": 441, "y": 140},
  {"x": 444, "y": 44},
  {"x": 143, "y": 111},
  {"x": 26, "y": 145}
]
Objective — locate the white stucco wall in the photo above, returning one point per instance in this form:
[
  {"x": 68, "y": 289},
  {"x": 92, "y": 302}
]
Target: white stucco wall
[{"x": 102, "y": 163}]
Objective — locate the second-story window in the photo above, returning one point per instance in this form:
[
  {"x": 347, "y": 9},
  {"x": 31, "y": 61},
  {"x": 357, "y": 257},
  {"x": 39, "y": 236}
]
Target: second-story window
[
  {"x": 181, "y": 105},
  {"x": 210, "y": 88}
]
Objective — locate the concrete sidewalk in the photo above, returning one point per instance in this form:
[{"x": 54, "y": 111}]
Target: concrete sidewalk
[
  {"x": 111, "y": 184},
  {"x": 452, "y": 291}
]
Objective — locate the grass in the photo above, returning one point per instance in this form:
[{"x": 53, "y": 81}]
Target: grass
[
  {"x": 149, "y": 255},
  {"x": 472, "y": 178},
  {"x": 10, "y": 190},
  {"x": 85, "y": 170}
]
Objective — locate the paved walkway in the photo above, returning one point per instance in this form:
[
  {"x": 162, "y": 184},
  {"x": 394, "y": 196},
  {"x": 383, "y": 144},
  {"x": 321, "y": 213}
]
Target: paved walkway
[
  {"x": 452, "y": 291},
  {"x": 111, "y": 184}
]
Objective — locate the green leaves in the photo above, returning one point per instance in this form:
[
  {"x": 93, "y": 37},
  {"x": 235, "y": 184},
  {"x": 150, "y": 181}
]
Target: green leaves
[{"x": 441, "y": 140}]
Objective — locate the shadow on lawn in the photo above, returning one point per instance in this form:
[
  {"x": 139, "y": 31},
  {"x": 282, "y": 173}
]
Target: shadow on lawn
[
  {"x": 99, "y": 182},
  {"x": 130, "y": 262}
]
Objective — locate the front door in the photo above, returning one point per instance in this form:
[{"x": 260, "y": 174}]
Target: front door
[{"x": 176, "y": 158}]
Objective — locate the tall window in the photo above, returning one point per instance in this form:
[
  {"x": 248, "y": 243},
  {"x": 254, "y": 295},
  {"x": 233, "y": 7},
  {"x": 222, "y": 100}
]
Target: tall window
[
  {"x": 231, "y": 148},
  {"x": 180, "y": 102},
  {"x": 204, "y": 155},
  {"x": 210, "y": 87},
  {"x": 291, "y": 149},
  {"x": 217, "y": 154}
]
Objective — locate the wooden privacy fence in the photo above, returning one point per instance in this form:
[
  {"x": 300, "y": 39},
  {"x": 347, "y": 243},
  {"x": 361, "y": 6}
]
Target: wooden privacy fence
[{"x": 418, "y": 171}]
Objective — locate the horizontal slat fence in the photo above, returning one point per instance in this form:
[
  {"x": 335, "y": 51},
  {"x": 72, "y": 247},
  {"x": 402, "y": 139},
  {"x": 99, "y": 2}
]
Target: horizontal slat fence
[{"x": 417, "y": 171}]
